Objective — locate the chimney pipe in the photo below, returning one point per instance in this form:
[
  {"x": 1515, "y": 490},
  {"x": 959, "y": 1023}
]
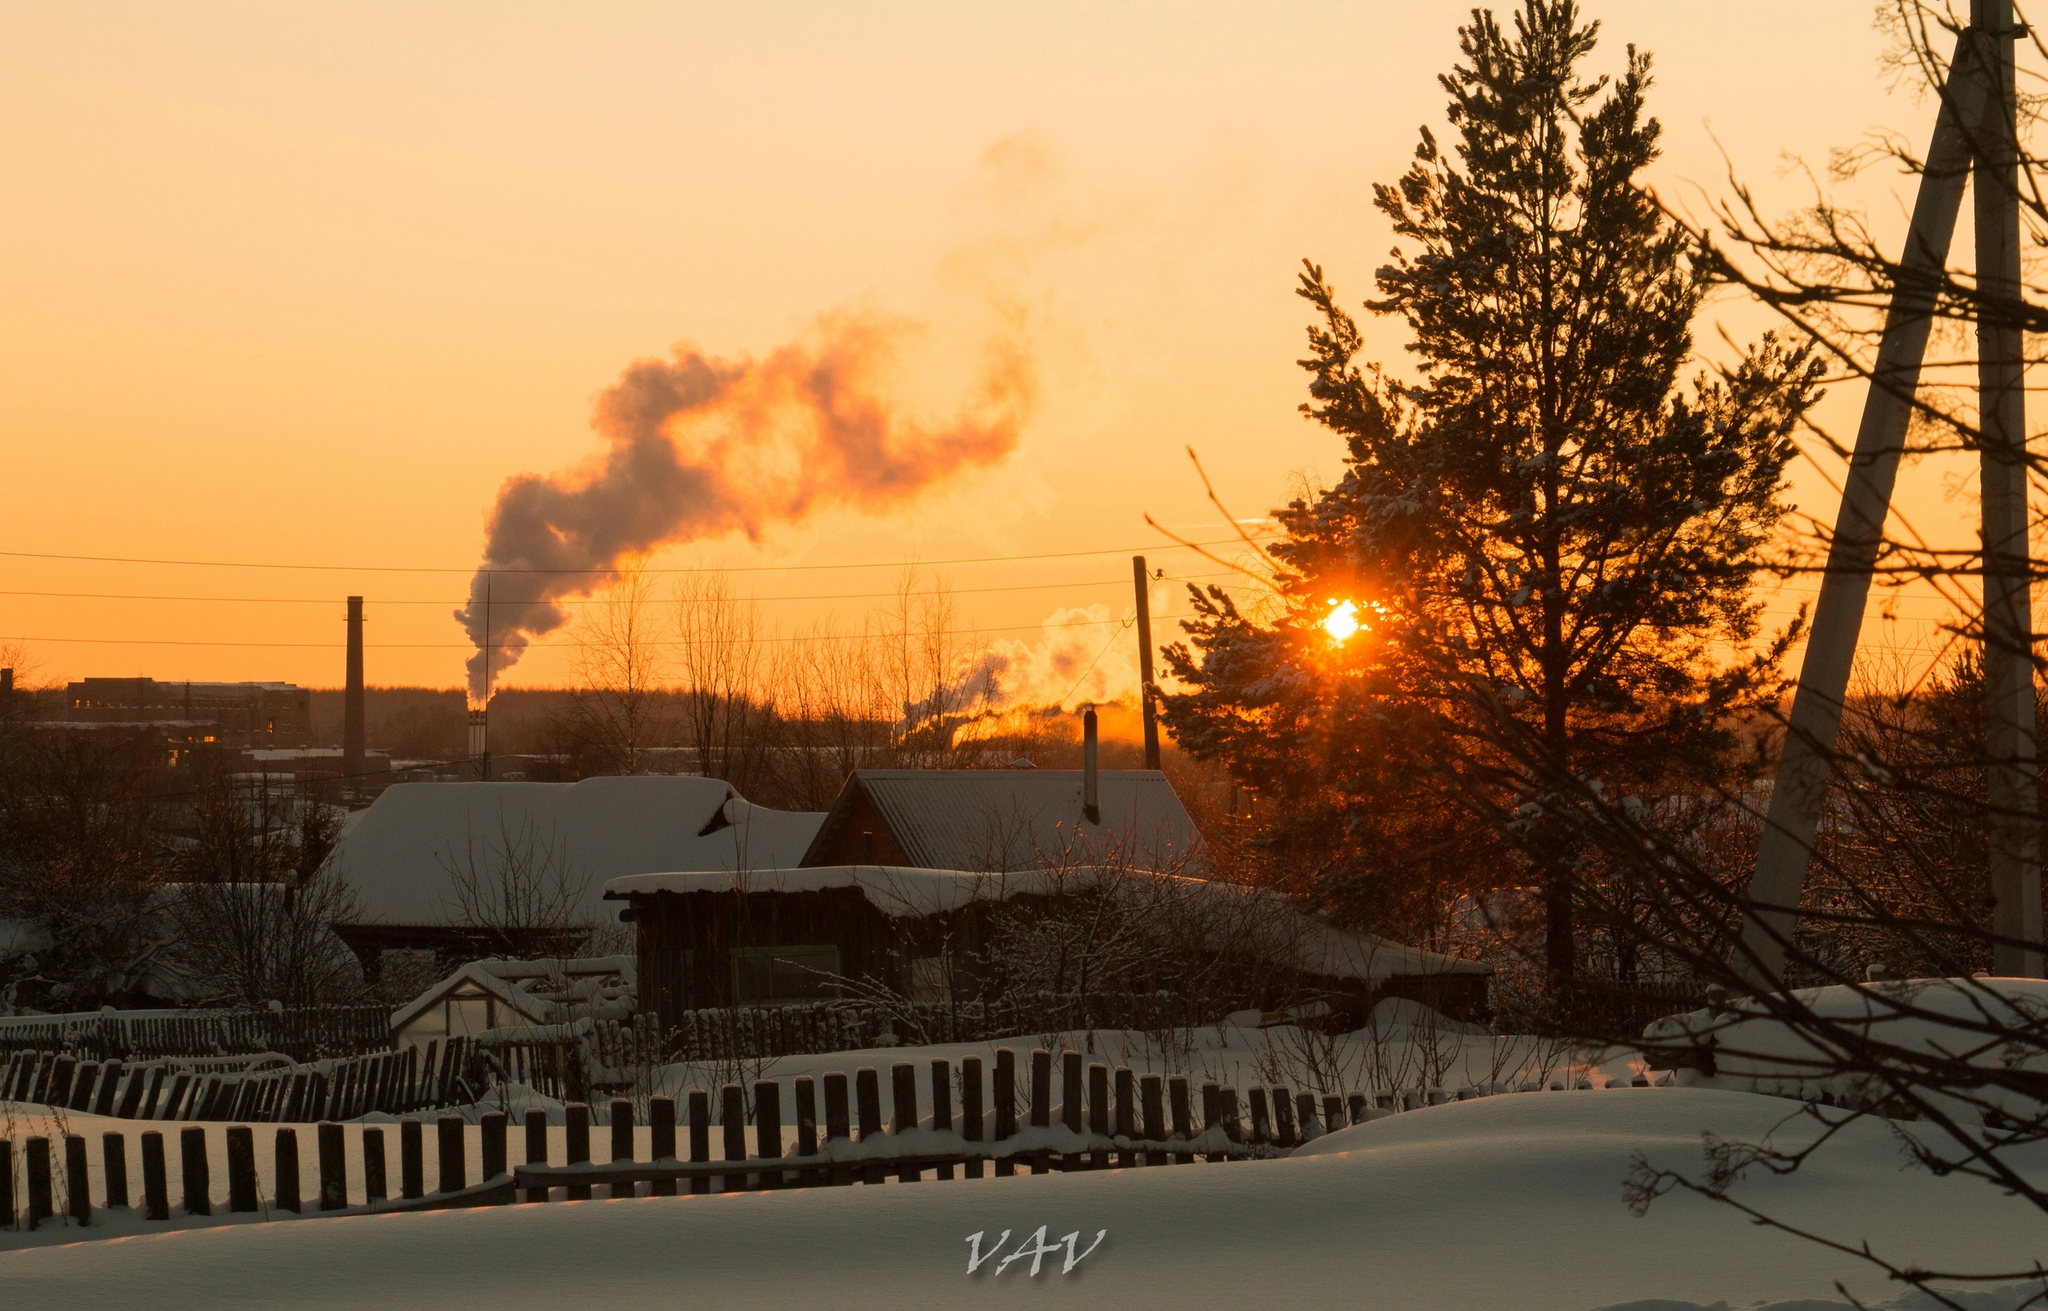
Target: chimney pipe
[
  {"x": 352, "y": 700},
  {"x": 1091, "y": 783}
]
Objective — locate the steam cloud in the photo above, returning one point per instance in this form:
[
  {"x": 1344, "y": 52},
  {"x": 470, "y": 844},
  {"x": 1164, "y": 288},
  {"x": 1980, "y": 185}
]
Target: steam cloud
[
  {"x": 1056, "y": 671},
  {"x": 698, "y": 447}
]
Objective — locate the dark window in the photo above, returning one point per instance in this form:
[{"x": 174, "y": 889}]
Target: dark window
[{"x": 766, "y": 975}]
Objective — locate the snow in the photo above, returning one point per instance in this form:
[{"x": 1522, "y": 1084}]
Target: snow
[
  {"x": 396, "y": 853},
  {"x": 1509, "y": 1202}
]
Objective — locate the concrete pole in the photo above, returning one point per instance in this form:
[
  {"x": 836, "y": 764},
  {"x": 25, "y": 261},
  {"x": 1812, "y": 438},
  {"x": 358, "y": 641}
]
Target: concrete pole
[
  {"x": 2015, "y": 855},
  {"x": 1151, "y": 716},
  {"x": 1800, "y": 790}
]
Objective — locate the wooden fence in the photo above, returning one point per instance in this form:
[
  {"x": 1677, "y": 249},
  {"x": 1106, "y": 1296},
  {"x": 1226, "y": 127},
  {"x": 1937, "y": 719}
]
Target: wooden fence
[
  {"x": 269, "y": 1089},
  {"x": 304, "y": 1034},
  {"x": 1066, "y": 1115}
]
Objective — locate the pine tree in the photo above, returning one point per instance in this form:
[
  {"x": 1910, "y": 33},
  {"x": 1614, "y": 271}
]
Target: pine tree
[{"x": 1546, "y": 524}]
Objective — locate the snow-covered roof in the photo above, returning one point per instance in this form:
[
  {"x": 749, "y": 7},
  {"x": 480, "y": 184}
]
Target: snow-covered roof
[
  {"x": 1254, "y": 917},
  {"x": 401, "y": 853},
  {"x": 996, "y": 819},
  {"x": 503, "y": 980}
]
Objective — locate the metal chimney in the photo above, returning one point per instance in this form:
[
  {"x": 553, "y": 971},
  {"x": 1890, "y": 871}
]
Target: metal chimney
[
  {"x": 352, "y": 699},
  {"x": 1091, "y": 782}
]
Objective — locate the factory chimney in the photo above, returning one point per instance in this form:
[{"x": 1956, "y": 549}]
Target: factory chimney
[
  {"x": 352, "y": 701},
  {"x": 1091, "y": 787}
]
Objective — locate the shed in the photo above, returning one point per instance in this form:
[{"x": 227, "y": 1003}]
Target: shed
[
  {"x": 776, "y": 936},
  {"x": 1005, "y": 819},
  {"x": 498, "y": 994}
]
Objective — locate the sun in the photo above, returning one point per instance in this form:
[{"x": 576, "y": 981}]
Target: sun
[{"x": 1342, "y": 622}]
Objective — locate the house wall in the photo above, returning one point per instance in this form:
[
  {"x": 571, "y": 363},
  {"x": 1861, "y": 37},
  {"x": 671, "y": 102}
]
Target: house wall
[{"x": 859, "y": 836}]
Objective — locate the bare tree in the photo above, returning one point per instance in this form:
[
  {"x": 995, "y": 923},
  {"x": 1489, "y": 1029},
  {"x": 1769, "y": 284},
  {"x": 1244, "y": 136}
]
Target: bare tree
[
  {"x": 721, "y": 662},
  {"x": 519, "y": 891},
  {"x": 616, "y": 710}
]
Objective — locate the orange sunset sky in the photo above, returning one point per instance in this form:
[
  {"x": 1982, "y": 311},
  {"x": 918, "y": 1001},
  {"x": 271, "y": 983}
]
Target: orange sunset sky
[{"x": 304, "y": 286}]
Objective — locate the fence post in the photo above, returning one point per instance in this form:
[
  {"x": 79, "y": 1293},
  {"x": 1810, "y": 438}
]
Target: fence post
[
  {"x": 903, "y": 1109},
  {"x": 1283, "y": 1120},
  {"x": 285, "y": 1175},
  {"x": 110, "y": 1081},
  {"x": 807, "y": 1126},
  {"x": 700, "y": 1136},
  {"x": 661, "y": 1141},
  {"x": 60, "y": 1083},
  {"x": 942, "y": 1106},
  {"x": 838, "y": 1124},
  {"x": 1126, "y": 1114},
  {"x": 1262, "y": 1127},
  {"x": 412, "y": 1159},
  {"x": 1041, "y": 1103},
  {"x": 450, "y": 1147},
  {"x": 114, "y": 1162},
  {"x": 1333, "y": 1112},
  {"x": 241, "y": 1168},
  {"x": 867, "y": 1096},
  {"x": 576, "y": 1133},
  {"x": 536, "y": 1148},
  {"x": 376, "y": 1183},
  {"x": 198, "y": 1184},
  {"x": 732, "y": 1115},
  {"x": 768, "y": 1127},
  {"x": 1183, "y": 1115},
  {"x": 1004, "y": 1095},
  {"x": 77, "y": 1181},
  {"x": 1155, "y": 1117},
  {"x": 622, "y": 1141},
  {"x": 7, "y": 1207},
  {"x": 41, "y": 1197},
  {"x": 491, "y": 1142},
  {"x": 1356, "y": 1106},
  {"x": 1098, "y": 1113},
  {"x": 333, "y": 1166},
  {"x": 82, "y": 1085},
  {"x": 970, "y": 1109},
  {"x": 1212, "y": 1116},
  {"x": 156, "y": 1192},
  {"x": 131, "y": 1096},
  {"x": 1070, "y": 1106}
]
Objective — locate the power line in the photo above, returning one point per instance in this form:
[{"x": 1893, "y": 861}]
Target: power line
[
  {"x": 542, "y": 646},
  {"x": 329, "y": 600},
  {"x": 474, "y": 569}
]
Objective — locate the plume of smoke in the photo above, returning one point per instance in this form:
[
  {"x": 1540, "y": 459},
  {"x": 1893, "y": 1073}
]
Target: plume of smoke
[
  {"x": 699, "y": 447},
  {"x": 1084, "y": 659}
]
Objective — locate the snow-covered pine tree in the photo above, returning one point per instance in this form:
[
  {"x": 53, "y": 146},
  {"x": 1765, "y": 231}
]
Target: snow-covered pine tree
[{"x": 1543, "y": 526}]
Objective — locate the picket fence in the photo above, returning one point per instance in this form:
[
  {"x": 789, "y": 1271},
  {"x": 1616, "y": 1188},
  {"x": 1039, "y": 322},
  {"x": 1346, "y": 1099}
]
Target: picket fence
[
  {"x": 302, "y": 1033},
  {"x": 1103, "y": 1119},
  {"x": 394, "y": 1082}
]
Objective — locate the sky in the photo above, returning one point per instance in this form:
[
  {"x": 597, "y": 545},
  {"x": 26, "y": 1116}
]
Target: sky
[{"x": 304, "y": 286}]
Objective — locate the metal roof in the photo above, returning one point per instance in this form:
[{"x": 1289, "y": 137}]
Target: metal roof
[{"x": 1016, "y": 819}]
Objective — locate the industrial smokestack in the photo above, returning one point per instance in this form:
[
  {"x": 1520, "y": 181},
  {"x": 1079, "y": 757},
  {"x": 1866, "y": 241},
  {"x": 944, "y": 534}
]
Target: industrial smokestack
[
  {"x": 1091, "y": 782},
  {"x": 352, "y": 699}
]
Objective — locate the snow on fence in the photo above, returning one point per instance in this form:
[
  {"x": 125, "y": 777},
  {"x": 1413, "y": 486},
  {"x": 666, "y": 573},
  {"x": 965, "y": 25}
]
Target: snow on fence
[
  {"x": 269, "y": 1088},
  {"x": 303, "y": 1033},
  {"x": 1102, "y": 1119}
]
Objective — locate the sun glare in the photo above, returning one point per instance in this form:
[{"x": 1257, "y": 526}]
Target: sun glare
[{"x": 1342, "y": 621}]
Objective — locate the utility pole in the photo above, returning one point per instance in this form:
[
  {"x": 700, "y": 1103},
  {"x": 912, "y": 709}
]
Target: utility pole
[
  {"x": 1138, "y": 576},
  {"x": 352, "y": 701},
  {"x": 1974, "y": 132}
]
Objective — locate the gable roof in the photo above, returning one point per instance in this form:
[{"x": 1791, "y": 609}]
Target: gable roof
[
  {"x": 1016, "y": 819},
  {"x": 397, "y": 853},
  {"x": 516, "y": 984}
]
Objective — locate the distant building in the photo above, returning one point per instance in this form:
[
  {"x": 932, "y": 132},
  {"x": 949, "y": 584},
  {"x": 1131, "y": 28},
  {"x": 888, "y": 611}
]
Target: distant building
[
  {"x": 1006, "y": 819},
  {"x": 468, "y": 870},
  {"x": 242, "y": 715}
]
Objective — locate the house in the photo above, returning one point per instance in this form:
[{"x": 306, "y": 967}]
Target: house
[
  {"x": 503, "y": 994},
  {"x": 1006, "y": 819},
  {"x": 467, "y": 870},
  {"x": 771, "y": 937}
]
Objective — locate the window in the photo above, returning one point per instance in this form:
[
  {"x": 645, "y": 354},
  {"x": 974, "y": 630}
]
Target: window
[{"x": 768, "y": 975}]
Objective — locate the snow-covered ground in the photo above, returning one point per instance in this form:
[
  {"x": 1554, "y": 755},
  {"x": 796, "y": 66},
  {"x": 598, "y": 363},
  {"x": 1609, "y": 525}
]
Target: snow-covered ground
[{"x": 1508, "y": 1202}]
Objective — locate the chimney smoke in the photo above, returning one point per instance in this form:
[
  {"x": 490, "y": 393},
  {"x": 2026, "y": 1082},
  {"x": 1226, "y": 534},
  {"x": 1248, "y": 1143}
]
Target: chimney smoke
[
  {"x": 352, "y": 700},
  {"x": 699, "y": 447}
]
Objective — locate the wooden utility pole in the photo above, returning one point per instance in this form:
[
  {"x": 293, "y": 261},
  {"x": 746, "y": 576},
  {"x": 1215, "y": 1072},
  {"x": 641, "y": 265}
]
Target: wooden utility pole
[
  {"x": 1973, "y": 132},
  {"x": 1139, "y": 577}
]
